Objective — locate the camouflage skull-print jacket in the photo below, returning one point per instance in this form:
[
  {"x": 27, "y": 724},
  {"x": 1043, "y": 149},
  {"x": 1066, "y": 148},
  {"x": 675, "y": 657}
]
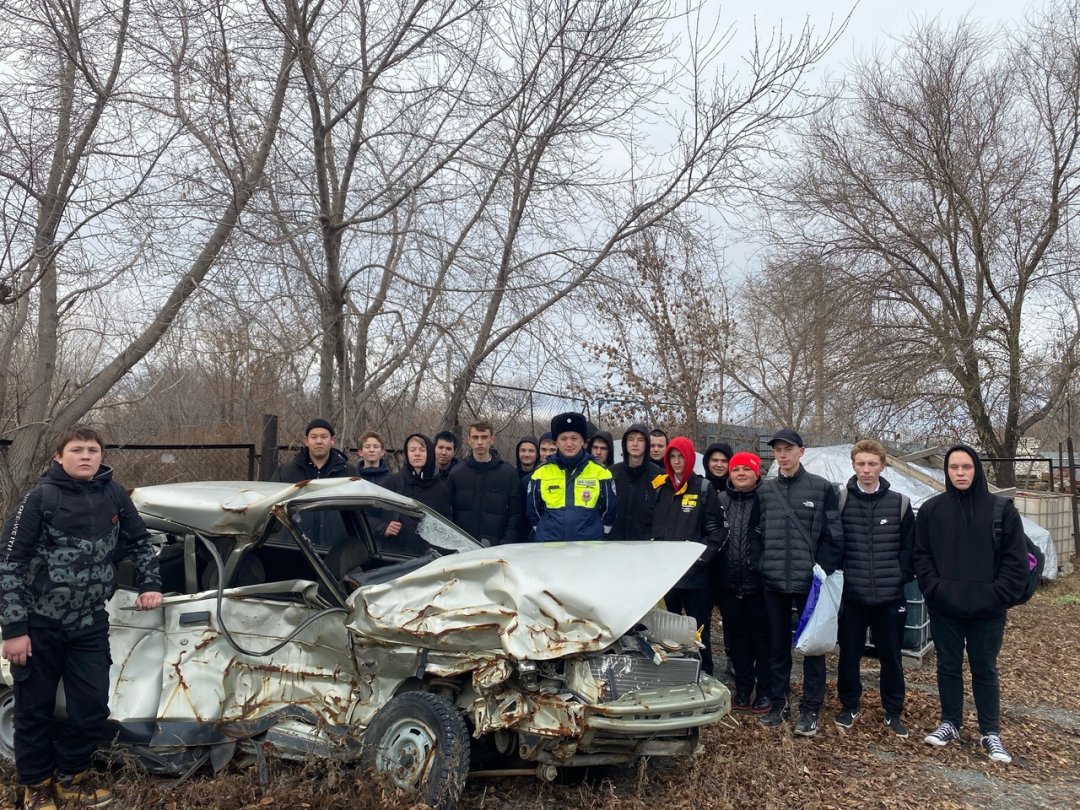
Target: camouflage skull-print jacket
[{"x": 59, "y": 569}]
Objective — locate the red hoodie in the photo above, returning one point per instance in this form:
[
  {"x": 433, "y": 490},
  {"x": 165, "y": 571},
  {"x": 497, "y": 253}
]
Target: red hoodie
[{"x": 686, "y": 448}]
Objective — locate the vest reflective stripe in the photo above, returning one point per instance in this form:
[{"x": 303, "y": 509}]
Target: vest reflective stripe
[{"x": 552, "y": 481}]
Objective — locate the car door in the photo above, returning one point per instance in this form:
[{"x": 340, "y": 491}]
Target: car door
[{"x": 255, "y": 650}]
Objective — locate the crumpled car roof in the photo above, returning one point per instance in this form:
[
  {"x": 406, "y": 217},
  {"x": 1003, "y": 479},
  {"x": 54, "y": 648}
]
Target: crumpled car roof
[
  {"x": 243, "y": 507},
  {"x": 532, "y": 601}
]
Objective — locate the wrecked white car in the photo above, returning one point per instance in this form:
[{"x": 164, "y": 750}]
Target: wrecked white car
[{"x": 291, "y": 623}]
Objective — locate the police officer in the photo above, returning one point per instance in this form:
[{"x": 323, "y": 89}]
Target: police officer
[{"x": 571, "y": 497}]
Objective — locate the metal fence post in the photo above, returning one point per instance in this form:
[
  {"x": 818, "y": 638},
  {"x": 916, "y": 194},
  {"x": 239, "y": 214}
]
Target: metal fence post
[{"x": 268, "y": 450}]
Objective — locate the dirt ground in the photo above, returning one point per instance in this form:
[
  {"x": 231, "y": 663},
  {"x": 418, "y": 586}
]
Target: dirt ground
[{"x": 743, "y": 764}]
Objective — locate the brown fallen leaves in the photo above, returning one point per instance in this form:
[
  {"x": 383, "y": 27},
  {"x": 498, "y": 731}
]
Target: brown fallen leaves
[{"x": 746, "y": 765}]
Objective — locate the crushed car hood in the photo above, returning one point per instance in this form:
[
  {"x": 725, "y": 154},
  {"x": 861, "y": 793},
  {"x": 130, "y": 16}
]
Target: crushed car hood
[{"x": 528, "y": 601}]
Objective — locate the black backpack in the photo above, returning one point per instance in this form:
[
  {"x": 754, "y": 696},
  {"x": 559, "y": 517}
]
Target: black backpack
[{"x": 1034, "y": 574}]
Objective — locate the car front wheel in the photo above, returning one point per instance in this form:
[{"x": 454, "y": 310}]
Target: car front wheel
[
  {"x": 7, "y": 724},
  {"x": 422, "y": 743}
]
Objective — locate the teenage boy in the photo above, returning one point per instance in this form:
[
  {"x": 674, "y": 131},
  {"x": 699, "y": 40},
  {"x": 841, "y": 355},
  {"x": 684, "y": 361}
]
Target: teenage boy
[
  {"x": 800, "y": 525},
  {"x": 372, "y": 467},
  {"x": 658, "y": 440},
  {"x": 971, "y": 567},
  {"x": 571, "y": 497},
  {"x": 527, "y": 456},
  {"x": 547, "y": 447},
  {"x": 56, "y": 574},
  {"x": 633, "y": 481},
  {"x": 879, "y": 539},
  {"x": 600, "y": 448},
  {"x": 446, "y": 447},
  {"x": 687, "y": 511},
  {"x": 318, "y": 458},
  {"x": 485, "y": 491},
  {"x": 738, "y": 586},
  {"x": 716, "y": 461}
]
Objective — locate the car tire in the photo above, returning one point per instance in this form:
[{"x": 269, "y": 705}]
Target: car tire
[
  {"x": 7, "y": 723},
  {"x": 422, "y": 743}
]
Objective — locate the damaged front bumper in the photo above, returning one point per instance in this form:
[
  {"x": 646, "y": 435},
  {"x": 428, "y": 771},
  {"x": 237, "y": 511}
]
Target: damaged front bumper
[{"x": 671, "y": 709}]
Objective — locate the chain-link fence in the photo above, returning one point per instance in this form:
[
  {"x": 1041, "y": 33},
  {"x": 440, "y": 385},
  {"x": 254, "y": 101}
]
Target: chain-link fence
[{"x": 139, "y": 465}]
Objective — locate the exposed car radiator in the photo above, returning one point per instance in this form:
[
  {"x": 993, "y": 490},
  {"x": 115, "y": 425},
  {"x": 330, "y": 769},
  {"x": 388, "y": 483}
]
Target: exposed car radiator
[{"x": 628, "y": 673}]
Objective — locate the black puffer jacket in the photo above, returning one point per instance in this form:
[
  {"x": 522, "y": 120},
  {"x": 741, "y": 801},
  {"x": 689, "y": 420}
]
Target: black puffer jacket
[
  {"x": 733, "y": 568},
  {"x": 692, "y": 515},
  {"x": 786, "y": 561},
  {"x": 878, "y": 545},
  {"x": 959, "y": 572},
  {"x": 487, "y": 500},
  {"x": 301, "y": 468},
  {"x": 58, "y": 570}
]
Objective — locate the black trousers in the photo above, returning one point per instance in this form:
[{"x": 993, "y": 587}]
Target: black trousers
[
  {"x": 81, "y": 660},
  {"x": 696, "y": 602},
  {"x": 887, "y": 623},
  {"x": 746, "y": 629},
  {"x": 983, "y": 640},
  {"x": 778, "y": 608}
]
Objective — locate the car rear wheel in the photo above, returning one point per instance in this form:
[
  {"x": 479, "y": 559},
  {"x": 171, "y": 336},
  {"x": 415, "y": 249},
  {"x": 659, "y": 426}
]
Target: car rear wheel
[
  {"x": 422, "y": 743},
  {"x": 7, "y": 724}
]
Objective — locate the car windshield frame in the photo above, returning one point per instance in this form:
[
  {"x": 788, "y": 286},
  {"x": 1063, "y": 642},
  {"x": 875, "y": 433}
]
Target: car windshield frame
[{"x": 447, "y": 535}]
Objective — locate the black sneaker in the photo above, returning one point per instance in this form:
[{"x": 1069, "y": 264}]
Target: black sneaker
[
  {"x": 894, "y": 722},
  {"x": 761, "y": 705},
  {"x": 991, "y": 743},
  {"x": 806, "y": 725},
  {"x": 846, "y": 718},
  {"x": 776, "y": 715},
  {"x": 942, "y": 735},
  {"x": 741, "y": 702}
]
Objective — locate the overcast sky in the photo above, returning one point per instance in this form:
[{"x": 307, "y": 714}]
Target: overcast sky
[{"x": 873, "y": 22}]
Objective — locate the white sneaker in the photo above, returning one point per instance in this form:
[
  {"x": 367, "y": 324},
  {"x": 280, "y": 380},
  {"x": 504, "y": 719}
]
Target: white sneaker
[
  {"x": 991, "y": 743},
  {"x": 943, "y": 735}
]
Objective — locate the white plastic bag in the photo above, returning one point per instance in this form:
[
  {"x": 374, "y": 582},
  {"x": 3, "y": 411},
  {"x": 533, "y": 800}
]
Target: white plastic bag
[{"x": 818, "y": 625}]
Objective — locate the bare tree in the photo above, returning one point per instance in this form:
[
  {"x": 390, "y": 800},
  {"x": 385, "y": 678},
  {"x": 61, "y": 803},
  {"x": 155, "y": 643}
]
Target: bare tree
[
  {"x": 797, "y": 348},
  {"x": 662, "y": 312},
  {"x": 945, "y": 177},
  {"x": 133, "y": 138},
  {"x": 560, "y": 214}
]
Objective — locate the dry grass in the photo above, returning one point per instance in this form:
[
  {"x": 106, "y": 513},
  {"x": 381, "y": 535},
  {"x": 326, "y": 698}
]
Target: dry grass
[{"x": 746, "y": 765}]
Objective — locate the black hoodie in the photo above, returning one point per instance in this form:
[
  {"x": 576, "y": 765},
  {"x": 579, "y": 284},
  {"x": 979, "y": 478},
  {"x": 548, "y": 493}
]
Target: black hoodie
[
  {"x": 522, "y": 473},
  {"x": 960, "y": 574},
  {"x": 637, "y": 497},
  {"x": 719, "y": 482},
  {"x": 374, "y": 475},
  {"x": 604, "y": 436},
  {"x": 427, "y": 484}
]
